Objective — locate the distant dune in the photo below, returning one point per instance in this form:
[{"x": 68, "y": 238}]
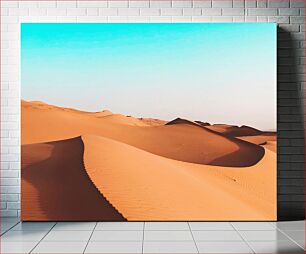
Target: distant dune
[
  {"x": 234, "y": 131},
  {"x": 143, "y": 168}
]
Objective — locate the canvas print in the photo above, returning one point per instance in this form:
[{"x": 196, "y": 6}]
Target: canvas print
[{"x": 148, "y": 122}]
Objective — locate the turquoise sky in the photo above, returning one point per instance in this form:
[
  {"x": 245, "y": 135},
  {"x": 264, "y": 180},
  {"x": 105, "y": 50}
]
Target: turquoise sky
[{"x": 215, "y": 72}]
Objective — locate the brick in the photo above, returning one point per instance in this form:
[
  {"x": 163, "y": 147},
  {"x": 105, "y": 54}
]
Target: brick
[
  {"x": 211, "y": 11},
  {"x": 9, "y": 20},
  {"x": 222, "y": 3},
  {"x": 291, "y": 190},
  {"x": 289, "y": 11},
  {"x": 172, "y": 11},
  {"x": 46, "y": 4},
  {"x": 9, "y": 197},
  {"x": 38, "y": 11},
  {"x": 108, "y": 11},
  {"x": 291, "y": 150},
  {"x": 150, "y": 12},
  {"x": 18, "y": 12},
  {"x": 202, "y": 3},
  {"x": 160, "y": 3},
  {"x": 262, "y": 3},
  {"x": 118, "y": 4},
  {"x": 278, "y": 3},
  {"x": 9, "y": 213},
  {"x": 56, "y": 12},
  {"x": 9, "y": 181},
  {"x": 92, "y": 4},
  {"x": 139, "y": 3},
  {"x": 250, "y": 19},
  {"x": 279, "y": 19},
  {"x": 297, "y": 20},
  {"x": 250, "y": 3},
  {"x": 262, "y": 19},
  {"x": 239, "y": 19},
  {"x": 10, "y": 189},
  {"x": 233, "y": 12},
  {"x": 3, "y": 205},
  {"x": 222, "y": 19},
  {"x": 262, "y": 12},
  {"x": 9, "y": 173},
  {"x": 238, "y": 3},
  {"x": 76, "y": 12},
  {"x": 160, "y": 19},
  {"x": 66, "y": 4},
  {"x": 291, "y": 198},
  {"x": 128, "y": 11},
  {"x": 287, "y": 174},
  {"x": 201, "y": 19},
  {"x": 192, "y": 11},
  {"x": 291, "y": 182},
  {"x": 92, "y": 11},
  {"x": 181, "y": 19},
  {"x": 297, "y": 3},
  {"x": 181, "y": 3},
  {"x": 13, "y": 205},
  {"x": 289, "y": 28},
  {"x": 9, "y": 4}
]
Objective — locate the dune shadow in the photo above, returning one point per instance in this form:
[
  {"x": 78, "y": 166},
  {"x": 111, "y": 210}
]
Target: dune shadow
[{"x": 55, "y": 185}]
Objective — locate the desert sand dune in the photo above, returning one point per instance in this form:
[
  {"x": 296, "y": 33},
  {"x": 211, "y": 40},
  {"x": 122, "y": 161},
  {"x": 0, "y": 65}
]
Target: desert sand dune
[
  {"x": 234, "y": 131},
  {"x": 55, "y": 185},
  {"x": 144, "y": 186},
  {"x": 259, "y": 139},
  {"x": 153, "y": 121},
  {"x": 180, "y": 140}
]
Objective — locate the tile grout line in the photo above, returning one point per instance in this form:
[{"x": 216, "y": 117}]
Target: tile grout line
[
  {"x": 10, "y": 228},
  {"x": 42, "y": 238},
  {"x": 143, "y": 232},
  {"x": 90, "y": 237},
  {"x": 193, "y": 237},
  {"x": 290, "y": 238},
  {"x": 246, "y": 242}
]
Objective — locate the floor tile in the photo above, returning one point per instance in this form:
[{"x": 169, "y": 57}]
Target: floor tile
[
  {"x": 17, "y": 247},
  {"x": 69, "y": 236},
  {"x": 63, "y": 226},
  {"x": 98, "y": 236},
  {"x": 274, "y": 235},
  {"x": 291, "y": 225},
  {"x": 166, "y": 226},
  {"x": 223, "y": 247},
  {"x": 253, "y": 226},
  {"x": 114, "y": 247},
  {"x": 9, "y": 220},
  {"x": 167, "y": 236},
  {"x": 295, "y": 234},
  {"x": 60, "y": 247},
  {"x": 276, "y": 247},
  {"x": 6, "y": 227},
  {"x": 33, "y": 226},
  {"x": 210, "y": 226},
  {"x": 170, "y": 247},
  {"x": 119, "y": 226},
  {"x": 23, "y": 236},
  {"x": 216, "y": 236}
]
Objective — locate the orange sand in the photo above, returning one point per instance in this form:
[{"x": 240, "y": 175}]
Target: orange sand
[{"x": 142, "y": 169}]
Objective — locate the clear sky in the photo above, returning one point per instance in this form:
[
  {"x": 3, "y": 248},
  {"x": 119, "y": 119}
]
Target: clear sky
[{"x": 215, "y": 72}]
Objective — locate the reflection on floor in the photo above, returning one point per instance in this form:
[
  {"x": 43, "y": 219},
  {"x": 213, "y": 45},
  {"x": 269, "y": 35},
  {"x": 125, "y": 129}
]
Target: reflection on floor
[{"x": 152, "y": 237}]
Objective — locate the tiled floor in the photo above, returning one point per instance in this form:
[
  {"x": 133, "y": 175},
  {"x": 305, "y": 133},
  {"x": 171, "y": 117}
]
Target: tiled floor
[{"x": 152, "y": 237}]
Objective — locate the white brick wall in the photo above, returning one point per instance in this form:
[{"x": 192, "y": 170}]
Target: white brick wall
[{"x": 289, "y": 13}]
